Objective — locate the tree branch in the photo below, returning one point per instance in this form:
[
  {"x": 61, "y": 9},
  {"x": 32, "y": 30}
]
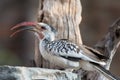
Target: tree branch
[
  {"x": 109, "y": 44},
  {"x": 30, "y": 73}
]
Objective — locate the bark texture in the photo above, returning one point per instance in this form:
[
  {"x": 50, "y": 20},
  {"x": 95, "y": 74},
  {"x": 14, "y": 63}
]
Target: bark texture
[
  {"x": 30, "y": 73},
  {"x": 65, "y": 16},
  {"x": 109, "y": 44}
]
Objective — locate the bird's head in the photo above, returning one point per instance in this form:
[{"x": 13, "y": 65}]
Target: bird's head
[{"x": 41, "y": 30}]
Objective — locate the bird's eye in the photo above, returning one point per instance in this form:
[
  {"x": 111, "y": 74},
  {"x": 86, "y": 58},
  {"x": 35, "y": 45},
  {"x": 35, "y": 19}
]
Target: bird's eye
[{"x": 43, "y": 28}]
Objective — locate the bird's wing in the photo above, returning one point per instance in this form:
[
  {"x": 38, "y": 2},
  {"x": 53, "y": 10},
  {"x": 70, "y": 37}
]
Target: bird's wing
[
  {"x": 92, "y": 54},
  {"x": 63, "y": 48},
  {"x": 69, "y": 50},
  {"x": 97, "y": 53}
]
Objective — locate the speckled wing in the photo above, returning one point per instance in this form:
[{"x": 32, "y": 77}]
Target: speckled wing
[
  {"x": 71, "y": 51},
  {"x": 63, "y": 48}
]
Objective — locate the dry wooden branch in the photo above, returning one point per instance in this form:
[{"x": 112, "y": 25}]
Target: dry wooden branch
[
  {"x": 109, "y": 44},
  {"x": 30, "y": 73}
]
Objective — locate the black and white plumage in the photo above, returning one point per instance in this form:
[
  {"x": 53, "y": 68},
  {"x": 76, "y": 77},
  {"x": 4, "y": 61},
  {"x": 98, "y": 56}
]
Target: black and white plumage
[{"x": 64, "y": 53}]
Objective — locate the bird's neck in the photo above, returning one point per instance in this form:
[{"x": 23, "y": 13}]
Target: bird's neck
[{"x": 44, "y": 42}]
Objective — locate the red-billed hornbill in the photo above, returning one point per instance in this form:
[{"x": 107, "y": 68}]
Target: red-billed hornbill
[{"x": 62, "y": 52}]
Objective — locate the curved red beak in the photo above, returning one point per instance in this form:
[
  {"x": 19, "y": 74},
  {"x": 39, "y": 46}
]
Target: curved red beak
[{"x": 32, "y": 26}]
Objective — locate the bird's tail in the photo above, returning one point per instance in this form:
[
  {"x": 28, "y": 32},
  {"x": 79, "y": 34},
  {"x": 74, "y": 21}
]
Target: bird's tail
[{"x": 105, "y": 72}]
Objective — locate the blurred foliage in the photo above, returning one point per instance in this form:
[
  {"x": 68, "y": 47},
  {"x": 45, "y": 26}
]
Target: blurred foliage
[
  {"x": 18, "y": 50},
  {"x": 8, "y": 58}
]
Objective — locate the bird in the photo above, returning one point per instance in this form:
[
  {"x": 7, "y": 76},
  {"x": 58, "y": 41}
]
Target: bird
[{"x": 63, "y": 52}]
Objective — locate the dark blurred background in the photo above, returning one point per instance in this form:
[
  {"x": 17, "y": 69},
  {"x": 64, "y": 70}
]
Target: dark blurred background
[
  {"x": 19, "y": 49},
  {"x": 97, "y": 16}
]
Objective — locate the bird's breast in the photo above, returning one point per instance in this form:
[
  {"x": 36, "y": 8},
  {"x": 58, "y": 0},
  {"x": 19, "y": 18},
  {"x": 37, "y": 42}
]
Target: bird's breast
[{"x": 57, "y": 60}]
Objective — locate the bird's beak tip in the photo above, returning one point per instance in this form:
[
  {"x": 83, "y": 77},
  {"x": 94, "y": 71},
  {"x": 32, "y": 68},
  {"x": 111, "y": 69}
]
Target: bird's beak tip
[{"x": 23, "y": 24}]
